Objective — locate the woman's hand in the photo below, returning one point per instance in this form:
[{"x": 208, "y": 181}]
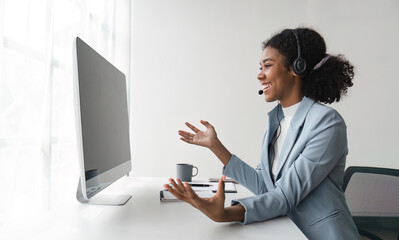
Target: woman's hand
[
  {"x": 207, "y": 139},
  {"x": 212, "y": 207},
  {"x": 200, "y": 138}
]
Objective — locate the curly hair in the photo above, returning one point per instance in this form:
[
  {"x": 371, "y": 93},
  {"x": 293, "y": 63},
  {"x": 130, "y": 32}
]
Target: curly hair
[{"x": 326, "y": 84}]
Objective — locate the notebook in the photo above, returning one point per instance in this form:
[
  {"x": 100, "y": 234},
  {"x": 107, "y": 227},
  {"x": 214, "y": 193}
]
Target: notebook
[{"x": 166, "y": 196}]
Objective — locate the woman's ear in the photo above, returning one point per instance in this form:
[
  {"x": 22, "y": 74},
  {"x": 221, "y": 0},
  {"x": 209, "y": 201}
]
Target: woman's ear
[
  {"x": 293, "y": 73},
  {"x": 295, "y": 76}
]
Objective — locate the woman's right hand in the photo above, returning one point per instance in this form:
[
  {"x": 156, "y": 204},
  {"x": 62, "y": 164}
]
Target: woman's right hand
[{"x": 200, "y": 138}]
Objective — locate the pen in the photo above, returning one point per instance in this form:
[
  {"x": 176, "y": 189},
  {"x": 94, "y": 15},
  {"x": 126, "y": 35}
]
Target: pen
[{"x": 199, "y": 185}]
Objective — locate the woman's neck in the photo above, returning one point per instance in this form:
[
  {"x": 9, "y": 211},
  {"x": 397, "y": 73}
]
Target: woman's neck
[{"x": 294, "y": 99}]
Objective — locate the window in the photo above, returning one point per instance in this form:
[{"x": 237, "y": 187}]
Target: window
[{"x": 38, "y": 155}]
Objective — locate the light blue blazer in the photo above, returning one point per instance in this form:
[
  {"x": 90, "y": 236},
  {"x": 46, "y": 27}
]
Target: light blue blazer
[{"x": 309, "y": 177}]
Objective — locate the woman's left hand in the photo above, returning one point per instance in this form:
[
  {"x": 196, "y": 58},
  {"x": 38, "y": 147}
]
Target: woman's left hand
[{"x": 212, "y": 207}]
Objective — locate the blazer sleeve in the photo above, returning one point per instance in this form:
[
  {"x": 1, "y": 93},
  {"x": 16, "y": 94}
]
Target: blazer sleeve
[
  {"x": 247, "y": 176},
  {"x": 326, "y": 145}
]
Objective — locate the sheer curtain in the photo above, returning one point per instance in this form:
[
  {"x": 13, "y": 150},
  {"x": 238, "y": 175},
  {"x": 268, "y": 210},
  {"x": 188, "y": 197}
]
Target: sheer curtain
[{"x": 38, "y": 157}]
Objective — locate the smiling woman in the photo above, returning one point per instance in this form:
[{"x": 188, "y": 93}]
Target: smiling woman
[
  {"x": 276, "y": 79},
  {"x": 304, "y": 147},
  {"x": 324, "y": 78}
]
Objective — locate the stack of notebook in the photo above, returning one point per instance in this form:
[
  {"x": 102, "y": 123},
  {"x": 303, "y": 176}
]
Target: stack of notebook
[{"x": 202, "y": 189}]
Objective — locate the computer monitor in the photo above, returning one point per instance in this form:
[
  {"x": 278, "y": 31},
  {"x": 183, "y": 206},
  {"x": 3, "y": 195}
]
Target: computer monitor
[{"x": 102, "y": 125}]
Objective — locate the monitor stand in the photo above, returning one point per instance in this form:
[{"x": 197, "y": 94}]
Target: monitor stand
[{"x": 113, "y": 200}]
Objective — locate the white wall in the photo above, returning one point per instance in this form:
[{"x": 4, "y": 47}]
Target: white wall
[{"x": 197, "y": 60}]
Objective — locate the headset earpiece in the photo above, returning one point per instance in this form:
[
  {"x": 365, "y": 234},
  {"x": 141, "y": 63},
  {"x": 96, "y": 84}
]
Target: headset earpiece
[{"x": 299, "y": 65}]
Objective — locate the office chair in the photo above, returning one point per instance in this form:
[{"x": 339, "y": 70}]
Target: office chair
[{"x": 372, "y": 195}]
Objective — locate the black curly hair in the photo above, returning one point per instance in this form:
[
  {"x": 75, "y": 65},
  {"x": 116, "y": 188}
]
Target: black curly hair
[{"x": 326, "y": 84}]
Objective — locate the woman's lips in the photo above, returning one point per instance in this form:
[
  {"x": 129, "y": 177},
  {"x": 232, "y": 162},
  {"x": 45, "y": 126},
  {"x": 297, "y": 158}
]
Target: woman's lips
[{"x": 266, "y": 87}]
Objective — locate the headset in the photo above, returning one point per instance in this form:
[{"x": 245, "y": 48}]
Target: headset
[{"x": 299, "y": 65}]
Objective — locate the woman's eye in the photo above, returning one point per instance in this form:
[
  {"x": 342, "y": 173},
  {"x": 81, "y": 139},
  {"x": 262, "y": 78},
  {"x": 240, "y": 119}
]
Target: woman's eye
[{"x": 267, "y": 66}]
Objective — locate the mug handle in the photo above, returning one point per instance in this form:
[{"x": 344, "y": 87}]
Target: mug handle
[{"x": 195, "y": 172}]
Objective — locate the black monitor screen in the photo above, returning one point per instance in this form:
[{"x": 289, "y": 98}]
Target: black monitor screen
[{"x": 103, "y": 110}]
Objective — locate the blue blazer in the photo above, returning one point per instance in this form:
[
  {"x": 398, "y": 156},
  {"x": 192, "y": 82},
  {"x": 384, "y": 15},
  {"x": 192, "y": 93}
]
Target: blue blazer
[{"x": 308, "y": 186}]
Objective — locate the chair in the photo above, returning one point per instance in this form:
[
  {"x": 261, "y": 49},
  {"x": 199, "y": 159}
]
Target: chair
[{"x": 372, "y": 195}]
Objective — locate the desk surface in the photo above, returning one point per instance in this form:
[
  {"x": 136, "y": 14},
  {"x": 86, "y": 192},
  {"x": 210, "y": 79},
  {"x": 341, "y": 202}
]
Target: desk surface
[{"x": 145, "y": 217}]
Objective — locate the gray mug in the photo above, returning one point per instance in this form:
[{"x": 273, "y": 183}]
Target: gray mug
[{"x": 185, "y": 172}]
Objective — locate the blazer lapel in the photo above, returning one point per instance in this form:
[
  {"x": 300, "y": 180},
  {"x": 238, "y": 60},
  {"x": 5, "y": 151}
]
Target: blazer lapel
[
  {"x": 294, "y": 130},
  {"x": 274, "y": 117}
]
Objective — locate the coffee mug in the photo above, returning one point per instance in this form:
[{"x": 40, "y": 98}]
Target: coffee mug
[{"x": 185, "y": 172}]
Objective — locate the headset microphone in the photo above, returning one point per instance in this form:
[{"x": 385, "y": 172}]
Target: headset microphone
[{"x": 260, "y": 92}]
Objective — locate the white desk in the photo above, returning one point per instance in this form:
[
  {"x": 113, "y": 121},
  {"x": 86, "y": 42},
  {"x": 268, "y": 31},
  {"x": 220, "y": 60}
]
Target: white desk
[{"x": 145, "y": 217}]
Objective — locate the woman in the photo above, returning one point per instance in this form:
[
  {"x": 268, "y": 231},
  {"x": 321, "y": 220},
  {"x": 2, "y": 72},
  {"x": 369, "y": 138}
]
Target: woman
[{"x": 304, "y": 146}]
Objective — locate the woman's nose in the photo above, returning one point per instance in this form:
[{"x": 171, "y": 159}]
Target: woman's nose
[{"x": 261, "y": 76}]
